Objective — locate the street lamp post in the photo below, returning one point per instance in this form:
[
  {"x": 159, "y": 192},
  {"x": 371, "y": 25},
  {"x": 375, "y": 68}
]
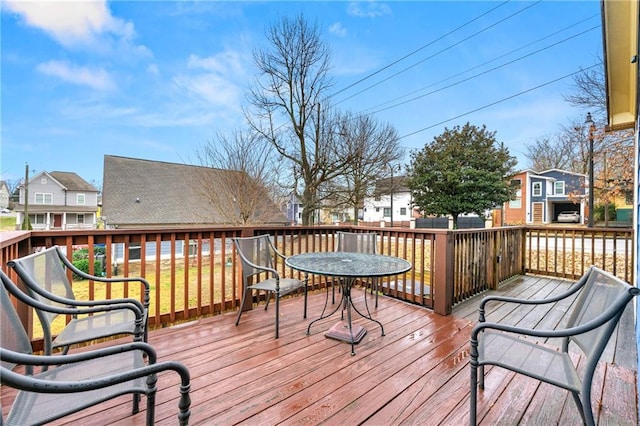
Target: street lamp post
[{"x": 592, "y": 128}]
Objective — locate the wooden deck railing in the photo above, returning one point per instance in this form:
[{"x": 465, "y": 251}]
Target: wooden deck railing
[{"x": 194, "y": 272}]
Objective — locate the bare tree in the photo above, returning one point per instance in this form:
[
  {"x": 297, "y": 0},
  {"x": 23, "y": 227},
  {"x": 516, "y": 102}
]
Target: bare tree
[
  {"x": 239, "y": 178},
  {"x": 568, "y": 149},
  {"x": 288, "y": 112},
  {"x": 372, "y": 147},
  {"x": 13, "y": 185},
  {"x": 590, "y": 92}
]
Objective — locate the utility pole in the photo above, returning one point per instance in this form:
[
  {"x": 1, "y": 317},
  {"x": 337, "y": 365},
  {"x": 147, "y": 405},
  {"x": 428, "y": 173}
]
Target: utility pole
[
  {"x": 592, "y": 128},
  {"x": 26, "y": 223}
]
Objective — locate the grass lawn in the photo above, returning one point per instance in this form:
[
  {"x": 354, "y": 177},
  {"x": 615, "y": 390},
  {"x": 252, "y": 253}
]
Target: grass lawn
[{"x": 7, "y": 223}]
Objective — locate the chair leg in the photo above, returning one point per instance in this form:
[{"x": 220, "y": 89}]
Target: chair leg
[
  {"x": 152, "y": 381},
  {"x": 266, "y": 306},
  {"x": 305, "y": 301},
  {"x": 241, "y": 307},
  {"x": 473, "y": 394},
  {"x": 375, "y": 284},
  {"x": 584, "y": 407},
  {"x": 184, "y": 404},
  {"x": 277, "y": 315}
]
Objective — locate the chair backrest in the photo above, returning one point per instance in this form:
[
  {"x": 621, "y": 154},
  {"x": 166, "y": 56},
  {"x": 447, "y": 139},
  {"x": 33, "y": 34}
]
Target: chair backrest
[
  {"x": 44, "y": 275},
  {"x": 254, "y": 251},
  {"x": 603, "y": 294},
  {"x": 358, "y": 242},
  {"x": 13, "y": 336}
]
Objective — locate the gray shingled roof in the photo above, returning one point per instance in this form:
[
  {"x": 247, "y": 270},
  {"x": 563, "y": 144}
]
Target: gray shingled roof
[
  {"x": 139, "y": 192},
  {"x": 72, "y": 181}
]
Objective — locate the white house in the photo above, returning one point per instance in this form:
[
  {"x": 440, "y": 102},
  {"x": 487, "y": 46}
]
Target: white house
[
  {"x": 58, "y": 200},
  {"x": 391, "y": 201}
]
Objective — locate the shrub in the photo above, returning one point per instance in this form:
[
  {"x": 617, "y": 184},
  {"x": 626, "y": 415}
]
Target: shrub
[
  {"x": 80, "y": 260},
  {"x": 598, "y": 213}
]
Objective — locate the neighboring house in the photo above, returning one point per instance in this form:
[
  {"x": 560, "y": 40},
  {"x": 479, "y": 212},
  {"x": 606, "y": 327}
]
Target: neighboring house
[
  {"x": 390, "y": 196},
  {"x": 541, "y": 196},
  {"x": 292, "y": 209},
  {"x": 4, "y": 195},
  {"x": 58, "y": 200},
  {"x": 146, "y": 193}
]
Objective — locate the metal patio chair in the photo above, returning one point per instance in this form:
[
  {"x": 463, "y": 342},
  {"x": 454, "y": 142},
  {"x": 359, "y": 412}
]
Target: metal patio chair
[
  {"x": 44, "y": 274},
  {"x": 258, "y": 261},
  {"x": 76, "y": 381},
  {"x": 594, "y": 315},
  {"x": 359, "y": 242}
]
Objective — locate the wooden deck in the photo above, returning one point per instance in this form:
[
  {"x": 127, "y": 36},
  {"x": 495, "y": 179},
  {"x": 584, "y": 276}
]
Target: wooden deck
[{"x": 416, "y": 374}]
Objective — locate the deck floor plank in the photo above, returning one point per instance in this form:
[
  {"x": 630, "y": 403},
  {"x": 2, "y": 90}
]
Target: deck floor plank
[{"x": 416, "y": 374}]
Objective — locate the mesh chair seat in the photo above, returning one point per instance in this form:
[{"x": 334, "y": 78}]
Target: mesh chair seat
[
  {"x": 527, "y": 357},
  {"x": 107, "y": 324},
  {"x": 287, "y": 285},
  {"x": 36, "y": 408}
]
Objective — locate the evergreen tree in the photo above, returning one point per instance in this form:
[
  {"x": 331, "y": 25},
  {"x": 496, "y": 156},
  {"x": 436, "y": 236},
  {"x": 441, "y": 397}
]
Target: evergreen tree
[{"x": 463, "y": 170}]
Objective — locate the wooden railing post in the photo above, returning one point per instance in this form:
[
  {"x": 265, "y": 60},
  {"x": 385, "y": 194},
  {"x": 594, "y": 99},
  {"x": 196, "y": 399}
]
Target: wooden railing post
[{"x": 442, "y": 291}]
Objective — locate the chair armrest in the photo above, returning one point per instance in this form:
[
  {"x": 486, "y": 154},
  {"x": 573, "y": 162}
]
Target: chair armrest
[
  {"x": 72, "y": 358},
  {"x": 29, "y": 383},
  {"x": 130, "y": 304},
  {"x": 572, "y": 290},
  {"x": 614, "y": 309},
  {"x": 84, "y": 275}
]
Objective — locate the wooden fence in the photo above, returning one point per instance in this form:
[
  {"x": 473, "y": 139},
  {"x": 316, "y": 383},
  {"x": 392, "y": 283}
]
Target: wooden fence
[{"x": 194, "y": 272}]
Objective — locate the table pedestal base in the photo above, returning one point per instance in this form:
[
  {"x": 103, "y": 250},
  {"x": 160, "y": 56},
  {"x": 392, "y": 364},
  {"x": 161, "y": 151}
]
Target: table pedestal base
[{"x": 340, "y": 331}]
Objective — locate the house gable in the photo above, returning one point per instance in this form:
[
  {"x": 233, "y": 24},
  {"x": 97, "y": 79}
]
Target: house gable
[{"x": 138, "y": 192}]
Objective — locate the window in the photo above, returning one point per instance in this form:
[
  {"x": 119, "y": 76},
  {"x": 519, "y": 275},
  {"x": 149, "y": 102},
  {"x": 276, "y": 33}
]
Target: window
[
  {"x": 80, "y": 218},
  {"x": 537, "y": 189},
  {"x": 387, "y": 212},
  {"x": 80, "y": 199},
  {"x": 558, "y": 188},
  {"x": 628, "y": 198},
  {"x": 403, "y": 211},
  {"x": 515, "y": 204},
  {"x": 38, "y": 219},
  {"x": 42, "y": 198},
  {"x": 377, "y": 209},
  {"x": 517, "y": 185},
  {"x": 377, "y": 197}
]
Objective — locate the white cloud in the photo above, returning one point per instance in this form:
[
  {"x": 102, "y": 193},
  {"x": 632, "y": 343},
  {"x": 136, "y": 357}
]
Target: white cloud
[
  {"x": 96, "y": 78},
  {"x": 337, "y": 29},
  {"x": 226, "y": 63},
  {"x": 215, "y": 79},
  {"x": 71, "y": 23},
  {"x": 368, "y": 9},
  {"x": 153, "y": 69}
]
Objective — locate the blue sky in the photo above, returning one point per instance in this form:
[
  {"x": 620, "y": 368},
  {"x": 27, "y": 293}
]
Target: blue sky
[{"x": 158, "y": 80}]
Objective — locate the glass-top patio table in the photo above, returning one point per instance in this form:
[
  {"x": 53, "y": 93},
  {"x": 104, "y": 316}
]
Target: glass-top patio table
[{"x": 349, "y": 266}]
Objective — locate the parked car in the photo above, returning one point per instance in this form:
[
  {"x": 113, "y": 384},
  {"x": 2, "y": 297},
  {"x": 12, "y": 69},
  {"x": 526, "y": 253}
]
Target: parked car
[
  {"x": 569, "y": 217},
  {"x": 5, "y": 211}
]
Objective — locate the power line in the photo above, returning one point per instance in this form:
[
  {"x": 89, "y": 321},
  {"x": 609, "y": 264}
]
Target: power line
[
  {"x": 439, "y": 52},
  {"x": 497, "y": 102},
  {"x": 417, "y": 50},
  {"x": 415, "y": 98},
  {"x": 486, "y": 63}
]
